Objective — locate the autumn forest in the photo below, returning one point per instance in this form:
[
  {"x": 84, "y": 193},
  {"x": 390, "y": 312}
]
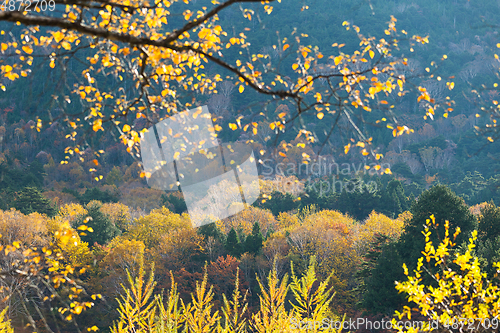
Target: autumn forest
[{"x": 372, "y": 125}]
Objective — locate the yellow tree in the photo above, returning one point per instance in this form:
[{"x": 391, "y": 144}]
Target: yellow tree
[
  {"x": 40, "y": 281},
  {"x": 153, "y": 59},
  {"x": 151, "y": 228}
]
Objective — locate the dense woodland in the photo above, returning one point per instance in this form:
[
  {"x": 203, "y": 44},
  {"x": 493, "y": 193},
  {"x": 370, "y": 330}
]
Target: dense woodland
[{"x": 88, "y": 236}]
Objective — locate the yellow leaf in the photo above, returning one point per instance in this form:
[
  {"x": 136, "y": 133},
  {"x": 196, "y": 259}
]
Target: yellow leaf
[
  {"x": 233, "y": 126},
  {"x": 4, "y": 47},
  {"x": 78, "y": 309},
  {"x": 27, "y": 49},
  {"x": 241, "y": 88},
  {"x": 372, "y": 54},
  {"x": 285, "y": 47},
  {"x": 97, "y": 125},
  {"x": 126, "y": 128},
  {"x": 337, "y": 60},
  {"x": 58, "y": 36},
  {"x": 295, "y": 66},
  {"x": 66, "y": 45},
  {"x": 320, "y": 115}
]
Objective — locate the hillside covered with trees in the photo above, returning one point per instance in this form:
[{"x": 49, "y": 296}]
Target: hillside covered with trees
[{"x": 374, "y": 130}]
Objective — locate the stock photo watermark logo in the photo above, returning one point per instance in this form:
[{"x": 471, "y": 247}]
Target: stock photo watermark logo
[
  {"x": 182, "y": 153},
  {"x": 325, "y": 176}
]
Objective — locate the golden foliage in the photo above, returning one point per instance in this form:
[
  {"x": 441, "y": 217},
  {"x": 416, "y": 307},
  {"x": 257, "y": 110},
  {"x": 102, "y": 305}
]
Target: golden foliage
[
  {"x": 138, "y": 41},
  {"x": 461, "y": 296},
  {"x": 119, "y": 214},
  {"x": 476, "y": 209},
  {"x": 30, "y": 230},
  {"x": 379, "y": 224},
  {"x": 36, "y": 265},
  {"x": 246, "y": 219},
  {"x": 5, "y": 326},
  {"x": 149, "y": 229},
  {"x": 140, "y": 312}
]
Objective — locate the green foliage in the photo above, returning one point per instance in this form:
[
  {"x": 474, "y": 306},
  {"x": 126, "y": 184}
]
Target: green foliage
[
  {"x": 233, "y": 245},
  {"x": 114, "y": 177},
  {"x": 278, "y": 203},
  {"x": 489, "y": 222},
  {"x": 16, "y": 178},
  {"x": 30, "y": 200},
  {"x": 211, "y": 230},
  {"x": 441, "y": 202},
  {"x": 103, "y": 229},
  {"x": 93, "y": 193},
  {"x": 99, "y": 195},
  {"x": 253, "y": 242},
  {"x": 381, "y": 268},
  {"x": 174, "y": 203}
]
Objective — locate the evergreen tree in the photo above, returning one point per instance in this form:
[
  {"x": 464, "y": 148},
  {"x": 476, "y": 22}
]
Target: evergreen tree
[
  {"x": 177, "y": 204},
  {"x": 383, "y": 267},
  {"x": 489, "y": 226},
  {"x": 441, "y": 202},
  {"x": 393, "y": 200},
  {"x": 210, "y": 230},
  {"x": 233, "y": 245},
  {"x": 103, "y": 229},
  {"x": 31, "y": 200},
  {"x": 279, "y": 202},
  {"x": 253, "y": 243}
]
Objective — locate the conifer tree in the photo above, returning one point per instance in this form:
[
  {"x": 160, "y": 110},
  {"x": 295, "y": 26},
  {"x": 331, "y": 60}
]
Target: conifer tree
[
  {"x": 31, "y": 200},
  {"x": 103, "y": 230},
  {"x": 233, "y": 245},
  {"x": 253, "y": 243}
]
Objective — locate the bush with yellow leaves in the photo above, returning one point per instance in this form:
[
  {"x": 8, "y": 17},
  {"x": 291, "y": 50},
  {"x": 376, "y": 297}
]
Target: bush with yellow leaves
[
  {"x": 460, "y": 299},
  {"x": 37, "y": 279}
]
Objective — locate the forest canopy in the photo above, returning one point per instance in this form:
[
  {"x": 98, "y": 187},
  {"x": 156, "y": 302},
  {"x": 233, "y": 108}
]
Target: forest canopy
[{"x": 378, "y": 198}]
